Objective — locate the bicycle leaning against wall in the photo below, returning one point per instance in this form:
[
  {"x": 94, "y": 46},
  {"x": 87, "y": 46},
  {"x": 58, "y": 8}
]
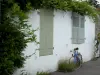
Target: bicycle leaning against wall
[{"x": 76, "y": 58}]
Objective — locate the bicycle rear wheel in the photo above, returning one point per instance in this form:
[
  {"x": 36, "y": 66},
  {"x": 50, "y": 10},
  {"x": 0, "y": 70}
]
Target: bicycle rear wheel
[{"x": 79, "y": 61}]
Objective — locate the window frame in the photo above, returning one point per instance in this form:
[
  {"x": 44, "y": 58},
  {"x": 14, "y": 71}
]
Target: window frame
[{"x": 78, "y": 28}]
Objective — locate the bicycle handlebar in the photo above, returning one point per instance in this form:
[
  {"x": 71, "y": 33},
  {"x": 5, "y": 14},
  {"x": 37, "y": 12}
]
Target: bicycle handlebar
[{"x": 75, "y": 49}]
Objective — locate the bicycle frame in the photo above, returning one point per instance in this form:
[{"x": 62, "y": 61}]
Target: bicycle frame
[{"x": 75, "y": 55}]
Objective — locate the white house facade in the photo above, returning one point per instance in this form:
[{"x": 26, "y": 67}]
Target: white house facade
[{"x": 58, "y": 33}]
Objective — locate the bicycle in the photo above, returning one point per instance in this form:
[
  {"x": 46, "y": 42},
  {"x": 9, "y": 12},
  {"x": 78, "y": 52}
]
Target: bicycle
[{"x": 76, "y": 58}]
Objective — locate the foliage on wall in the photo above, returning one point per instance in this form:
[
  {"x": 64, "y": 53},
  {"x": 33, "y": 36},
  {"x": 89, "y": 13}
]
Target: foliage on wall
[
  {"x": 15, "y": 32},
  {"x": 14, "y": 35},
  {"x": 12, "y": 43},
  {"x": 95, "y": 3},
  {"x": 81, "y": 7}
]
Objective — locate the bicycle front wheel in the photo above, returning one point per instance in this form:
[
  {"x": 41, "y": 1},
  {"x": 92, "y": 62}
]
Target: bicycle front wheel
[
  {"x": 77, "y": 62},
  {"x": 71, "y": 60}
]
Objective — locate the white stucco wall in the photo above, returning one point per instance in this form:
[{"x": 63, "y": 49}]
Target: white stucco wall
[
  {"x": 62, "y": 43},
  {"x": 98, "y": 1}
]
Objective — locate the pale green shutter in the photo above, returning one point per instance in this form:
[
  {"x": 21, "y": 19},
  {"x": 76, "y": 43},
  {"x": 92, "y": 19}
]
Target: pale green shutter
[
  {"x": 75, "y": 26},
  {"x": 81, "y": 34},
  {"x": 46, "y": 32}
]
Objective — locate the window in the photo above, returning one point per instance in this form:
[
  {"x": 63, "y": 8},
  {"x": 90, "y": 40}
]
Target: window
[
  {"x": 78, "y": 36},
  {"x": 46, "y": 32}
]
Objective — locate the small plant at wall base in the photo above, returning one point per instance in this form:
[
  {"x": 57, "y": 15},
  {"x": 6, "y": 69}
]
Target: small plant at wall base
[
  {"x": 43, "y": 73},
  {"x": 64, "y": 66}
]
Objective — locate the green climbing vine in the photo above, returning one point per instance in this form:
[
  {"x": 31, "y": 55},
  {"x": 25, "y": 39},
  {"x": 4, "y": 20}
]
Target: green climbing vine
[{"x": 81, "y": 7}]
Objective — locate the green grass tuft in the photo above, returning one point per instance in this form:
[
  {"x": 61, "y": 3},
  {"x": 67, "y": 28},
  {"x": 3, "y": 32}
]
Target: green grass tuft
[
  {"x": 64, "y": 66},
  {"x": 43, "y": 73}
]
